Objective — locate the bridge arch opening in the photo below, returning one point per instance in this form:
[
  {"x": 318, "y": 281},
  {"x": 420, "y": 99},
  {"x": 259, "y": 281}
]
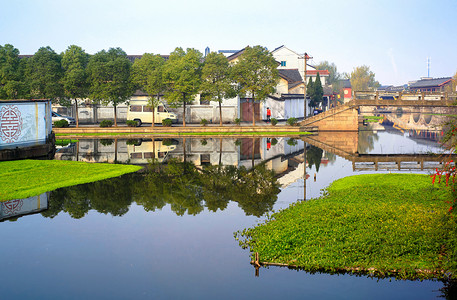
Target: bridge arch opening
[{"x": 416, "y": 117}]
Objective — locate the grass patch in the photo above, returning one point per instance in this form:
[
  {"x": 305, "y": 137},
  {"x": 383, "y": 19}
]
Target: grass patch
[
  {"x": 381, "y": 224},
  {"x": 64, "y": 142},
  {"x": 27, "y": 178},
  {"x": 373, "y": 119}
]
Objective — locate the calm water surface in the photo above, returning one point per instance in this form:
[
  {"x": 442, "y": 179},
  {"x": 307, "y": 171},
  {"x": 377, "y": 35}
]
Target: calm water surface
[{"x": 112, "y": 240}]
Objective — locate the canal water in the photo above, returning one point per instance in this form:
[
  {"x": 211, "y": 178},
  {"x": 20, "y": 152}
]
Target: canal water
[{"x": 168, "y": 233}]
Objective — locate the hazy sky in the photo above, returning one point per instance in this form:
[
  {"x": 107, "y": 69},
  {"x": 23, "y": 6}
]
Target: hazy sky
[{"x": 394, "y": 38}]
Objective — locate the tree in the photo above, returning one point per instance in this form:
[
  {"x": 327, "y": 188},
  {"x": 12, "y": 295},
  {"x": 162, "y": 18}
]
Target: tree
[
  {"x": 317, "y": 92},
  {"x": 182, "y": 74},
  {"x": 147, "y": 75},
  {"x": 109, "y": 77},
  {"x": 256, "y": 73},
  {"x": 12, "y": 82},
  {"x": 75, "y": 78},
  {"x": 362, "y": 79},
  {"x": 44, "y": 74},
  {"x": 334, "y": 76},
  {"x": 217, "y": 82},
  {"x": 310, "y": 89}
]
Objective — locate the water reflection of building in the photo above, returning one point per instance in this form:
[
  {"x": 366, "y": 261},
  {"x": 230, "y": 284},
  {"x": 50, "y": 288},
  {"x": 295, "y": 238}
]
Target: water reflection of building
[
  {"x": 20, "y": 207},
  {"x": 201, "y": 151}
]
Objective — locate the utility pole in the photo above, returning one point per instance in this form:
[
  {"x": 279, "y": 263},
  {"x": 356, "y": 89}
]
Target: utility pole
[{"x": 305, "y": 57}]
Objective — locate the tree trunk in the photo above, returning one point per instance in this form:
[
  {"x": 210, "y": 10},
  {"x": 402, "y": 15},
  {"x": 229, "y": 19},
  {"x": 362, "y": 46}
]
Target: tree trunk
[
  {"x": 76, "y": 113},
  {"x": 184, "y": 113},
  {"x": 253, "y": 109},
  {"x": 115, "y": 115},
  {"x": 220, "y": 112},
  {"x": 154, "y": 150}
]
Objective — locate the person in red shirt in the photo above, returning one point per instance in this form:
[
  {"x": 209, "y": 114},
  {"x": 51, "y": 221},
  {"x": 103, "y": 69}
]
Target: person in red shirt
[{"x": 268, "y": 114}]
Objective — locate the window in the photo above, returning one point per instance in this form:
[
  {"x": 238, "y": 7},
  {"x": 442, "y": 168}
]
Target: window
[
  {"x": 136, "y": 108},
  {"x": 160, "y": 108},
  {"x": 283, "y": 63},
  {"x": 147, "y": 109},
  {"x": 148, "y": 154}
]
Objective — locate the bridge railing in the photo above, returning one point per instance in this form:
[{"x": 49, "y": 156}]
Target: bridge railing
[{"x": 404, "y": 98}]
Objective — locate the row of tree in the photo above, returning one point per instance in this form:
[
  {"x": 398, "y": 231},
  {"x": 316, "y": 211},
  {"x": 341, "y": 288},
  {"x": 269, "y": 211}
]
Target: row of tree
[
  {"x": 109, "y": 77},
  {"x": 183, "y": 186}
]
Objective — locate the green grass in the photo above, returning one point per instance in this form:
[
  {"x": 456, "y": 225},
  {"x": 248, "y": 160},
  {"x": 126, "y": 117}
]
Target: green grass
[
  {"x": 272, "y": 133},
  {"x": 383, "y": 224},
  {"x": 373, "y": 119},
  {"x": 27, "y": 178}
]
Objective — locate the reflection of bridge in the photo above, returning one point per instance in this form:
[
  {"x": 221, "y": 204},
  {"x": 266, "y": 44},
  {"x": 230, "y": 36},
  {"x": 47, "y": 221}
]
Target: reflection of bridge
[
  {"x": 345, "y": 117},
  {"x": 346, "y": 146}
]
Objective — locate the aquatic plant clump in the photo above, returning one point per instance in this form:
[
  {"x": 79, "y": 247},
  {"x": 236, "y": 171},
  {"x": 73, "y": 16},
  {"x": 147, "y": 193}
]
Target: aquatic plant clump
[
  {"x": 380, "y": 224},
  {"x": 27, "y": 178}
]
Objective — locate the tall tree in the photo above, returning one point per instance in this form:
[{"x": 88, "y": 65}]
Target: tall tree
[
  {"x": 362, "y": 79},
  {"x": 334, "y": 76},
  {"x": 147, "y": 75},
  {"x": 109, "y": 77},
  {"x": 310, "y": 89},
  {"x": 318, "y": 92},
  {"x": 75, "y": 78},
  {"x": 182, "y": 74},
  {"x": 256, "y": 73},
  {"x": 217, "y": 82},
  {"x": 44, "y": 74},
  {"x": 12, "y": 84}
]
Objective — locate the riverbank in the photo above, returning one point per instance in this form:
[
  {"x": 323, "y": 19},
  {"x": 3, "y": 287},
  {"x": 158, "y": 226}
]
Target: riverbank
[
  {"x": 26, "y": 178},
  {"x": 380, "y": 224},
  {"x": 190, "y": 130}
]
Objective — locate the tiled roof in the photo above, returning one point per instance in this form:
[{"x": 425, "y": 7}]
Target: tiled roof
[
  {"x": 236, "y": 54},
  {"x": 291, "y": 75},
  {"x": 314, "y": 72},
  {"x": 431, "y": 82}
]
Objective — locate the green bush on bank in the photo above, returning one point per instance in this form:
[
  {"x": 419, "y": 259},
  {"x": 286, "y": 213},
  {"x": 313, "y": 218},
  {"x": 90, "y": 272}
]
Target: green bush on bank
[
  {"x": 386, "y": 224},
  {"x": 106, "y": 123},
  {"x": 61, "y": 123}
]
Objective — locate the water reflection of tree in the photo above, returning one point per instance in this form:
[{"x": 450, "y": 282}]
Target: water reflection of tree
[
  {"x": 111, "y": 196},
  {"x": 366, "y": 141},
  {"x": 186, "y": 188},
  {"x": 314, "y": 156}
]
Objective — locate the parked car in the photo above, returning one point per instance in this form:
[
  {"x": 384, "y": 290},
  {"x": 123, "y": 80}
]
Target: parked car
[{"x": 58, "y": 117}]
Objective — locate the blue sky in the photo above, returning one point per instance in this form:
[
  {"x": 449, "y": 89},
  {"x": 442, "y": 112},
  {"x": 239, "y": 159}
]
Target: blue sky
[{"x": 394, "y": 38}]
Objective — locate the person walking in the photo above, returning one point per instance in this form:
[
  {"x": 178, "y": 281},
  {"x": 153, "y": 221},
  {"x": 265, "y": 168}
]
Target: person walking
[{"x": 268, "y": 114}]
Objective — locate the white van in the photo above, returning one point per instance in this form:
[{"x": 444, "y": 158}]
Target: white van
[
  {"x": 143, "y": 150},
  {"x": 140, "y": 111}
]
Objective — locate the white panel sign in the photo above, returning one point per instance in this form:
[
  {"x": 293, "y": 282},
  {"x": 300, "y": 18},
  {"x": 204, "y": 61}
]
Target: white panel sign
[{"x": 23, "y": 123}]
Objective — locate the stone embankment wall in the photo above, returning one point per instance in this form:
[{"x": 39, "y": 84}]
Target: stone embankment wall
[{"x": 341, "y": 118}]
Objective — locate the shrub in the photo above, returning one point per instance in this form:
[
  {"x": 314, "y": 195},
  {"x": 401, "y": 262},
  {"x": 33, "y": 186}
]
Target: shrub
[
  {"x": 203, "y": 122},
  {"x": 237, "y": 121},
  {"x": 61, "y": 123},
  {"x": 167, "y": 122},
  {"x": 167, "y": 142},
  {"x": 291, "y": 142},
  {"x": 106, "y": 142},
  {"x": 273, "y": 121},
  {"x": 132, "y": 123},
  {"x": 106, "y": 123},
  {"x": 135, "y": 142},
  {"x": 238, "y": 142},
  {"x": 204, "y": 142},
  {"x": 292, "y": 121},
  {"x": 274, "y": 141}
]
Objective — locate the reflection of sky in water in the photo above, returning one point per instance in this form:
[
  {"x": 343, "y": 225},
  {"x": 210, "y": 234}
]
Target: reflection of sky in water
[
  {"x": 144, "y": 255},
  {"x": 398, "y": 143}
]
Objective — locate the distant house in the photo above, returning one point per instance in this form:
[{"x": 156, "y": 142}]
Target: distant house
[
  {"x": 347, "y": 89},
  {"x": 431, "y": 84}
]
